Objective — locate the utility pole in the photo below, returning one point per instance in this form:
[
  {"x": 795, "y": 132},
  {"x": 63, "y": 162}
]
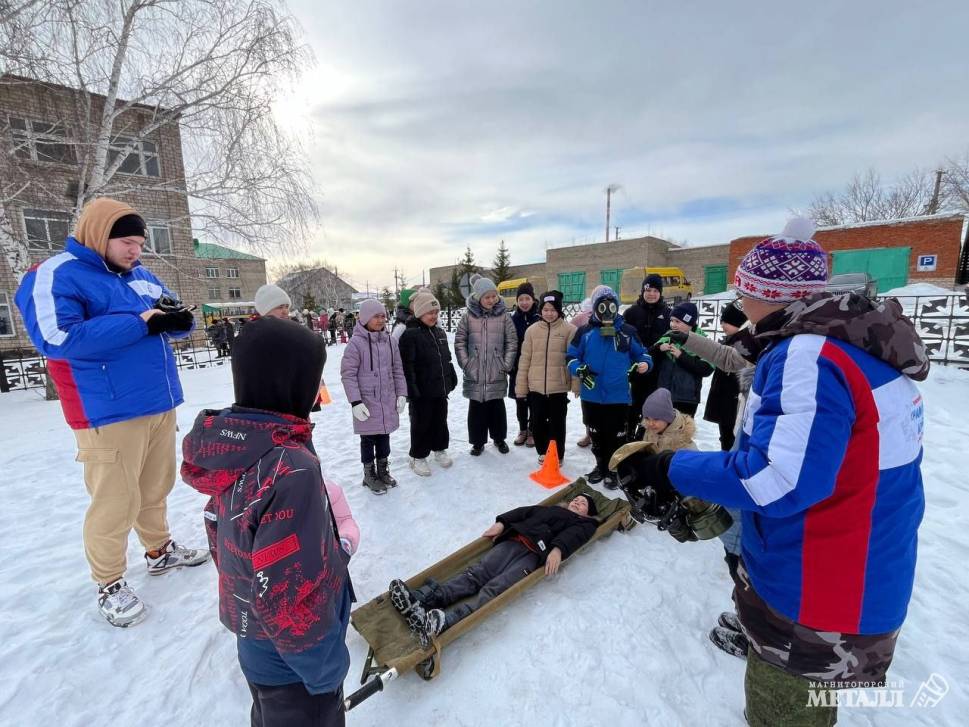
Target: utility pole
[
  {"x": 934, "y": 204},
  {"x": 609, "y": 190},
  {"x": 617, "y": 232}
]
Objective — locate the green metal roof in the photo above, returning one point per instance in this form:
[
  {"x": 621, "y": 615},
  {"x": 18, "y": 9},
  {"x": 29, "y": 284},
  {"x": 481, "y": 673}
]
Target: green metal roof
[{"x": 211, "y": 251}]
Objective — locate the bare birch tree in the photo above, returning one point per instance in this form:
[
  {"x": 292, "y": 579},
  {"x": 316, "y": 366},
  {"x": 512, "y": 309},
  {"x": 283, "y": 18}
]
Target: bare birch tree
[
  {"x": 213, "y": 67},
  {"x": 956, "y": 182},
  {"x": 867, "y": 198}
]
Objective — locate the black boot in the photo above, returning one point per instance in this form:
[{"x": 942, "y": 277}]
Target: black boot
[
  {"x": 371, "y": 481},
  {"x": 383, "y": 472},
  {"x": 476, "y": 450},
  {"x": 502, "y": 446},
  {"x": 595, "y": 476}
]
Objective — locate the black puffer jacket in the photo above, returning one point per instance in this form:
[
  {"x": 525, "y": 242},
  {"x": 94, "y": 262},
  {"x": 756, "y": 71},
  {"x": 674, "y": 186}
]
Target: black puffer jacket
[
  {"x": 547, "y": 527},
  {"x": 426, "y": 358},
  {"x": 522, "y": 321},
  {"x": 682, "y": 376},
  {"x": 651, "y": 320},
  {"x": 725, "y": 388}
]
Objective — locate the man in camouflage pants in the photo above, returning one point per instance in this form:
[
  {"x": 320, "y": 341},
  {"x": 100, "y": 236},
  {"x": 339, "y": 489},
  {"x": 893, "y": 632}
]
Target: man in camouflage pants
[{"x": 827, "y": 474}]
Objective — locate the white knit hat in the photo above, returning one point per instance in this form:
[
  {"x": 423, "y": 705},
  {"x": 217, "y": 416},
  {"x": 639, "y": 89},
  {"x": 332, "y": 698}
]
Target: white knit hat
[{"x": 271, "y": 296}]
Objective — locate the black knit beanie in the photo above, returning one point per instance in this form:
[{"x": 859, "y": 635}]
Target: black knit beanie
[
  {"x": 593, "y": 510},
  {"x": 526, "y": 288},
  {"x": 653, "y": 281},
  {"x": 555, "y": 298},
  {"x": 732, "y": 314},
  {"x": 128, "y": 226},
  {"x": 277, "y": 366}
]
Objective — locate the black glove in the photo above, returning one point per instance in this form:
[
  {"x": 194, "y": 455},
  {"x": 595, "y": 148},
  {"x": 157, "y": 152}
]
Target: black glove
[
  {"x": 167, "y": 304},
  {"x": 648, "y": 470},
  {"x": 177, "y": 321},
  {"x": 585, "y": 375},
  {"x": 677, "y": 337}
]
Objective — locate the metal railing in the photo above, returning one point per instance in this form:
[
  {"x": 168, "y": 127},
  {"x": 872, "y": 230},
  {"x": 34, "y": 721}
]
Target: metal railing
[{"x": 941, "y": 320}]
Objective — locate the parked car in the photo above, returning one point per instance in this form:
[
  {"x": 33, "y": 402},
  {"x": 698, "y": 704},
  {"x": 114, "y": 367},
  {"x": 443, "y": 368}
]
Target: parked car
[{"x": 860, "y": 283}]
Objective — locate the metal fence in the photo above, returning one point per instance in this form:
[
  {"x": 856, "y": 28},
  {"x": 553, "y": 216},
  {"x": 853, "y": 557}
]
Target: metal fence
[{"x": 941, "y": 320}]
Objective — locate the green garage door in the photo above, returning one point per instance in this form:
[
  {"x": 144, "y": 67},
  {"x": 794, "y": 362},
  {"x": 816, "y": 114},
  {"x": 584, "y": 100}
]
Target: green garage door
[
  {"x": 572, "y": 286},
  {"x": 610, "y": 278},
  {"x": 887, "y": 265},
  {"x": 714, "y": 279}
]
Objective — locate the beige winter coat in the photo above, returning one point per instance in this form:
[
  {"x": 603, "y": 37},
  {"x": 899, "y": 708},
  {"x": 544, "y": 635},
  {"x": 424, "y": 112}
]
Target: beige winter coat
[
  {"x": 678, "y": 435},
  {"x": 542, "y": 365}
]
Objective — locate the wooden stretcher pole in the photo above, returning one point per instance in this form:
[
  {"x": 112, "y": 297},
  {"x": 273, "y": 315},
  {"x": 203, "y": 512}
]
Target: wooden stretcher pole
[{"x": 369, "y": 689}]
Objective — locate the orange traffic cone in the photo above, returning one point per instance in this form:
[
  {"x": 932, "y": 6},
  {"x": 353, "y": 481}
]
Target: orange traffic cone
[
  {"x": 550, "y": 476},
  {"x": 324, "y": 397}
]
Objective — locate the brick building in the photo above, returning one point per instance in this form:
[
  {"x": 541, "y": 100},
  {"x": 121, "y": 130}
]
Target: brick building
[
  {"x": 894, "y": 252},
  {"x": 576, "y": 270},
  {"x": 40, "y": 172},
  {"x": 231, "y": 279}
]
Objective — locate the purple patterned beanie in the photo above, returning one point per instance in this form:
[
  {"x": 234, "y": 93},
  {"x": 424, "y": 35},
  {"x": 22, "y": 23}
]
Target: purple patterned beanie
[{"x": 785, "y": 267}]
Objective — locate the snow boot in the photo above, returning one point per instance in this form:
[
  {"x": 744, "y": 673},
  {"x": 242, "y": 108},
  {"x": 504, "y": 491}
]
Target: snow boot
[
  {"x": 730, "y": 641},
  {"x": 434, "y": 624},
  {"x": 119, "y": 604},
  {"x": 520, "y": 439},
  {"x": 595, "y": 476},
  {"x": 442, "y": 459},
  {"x": 586, "y": 440},
  {"x": 406, "y": 605},
  {"x": 383, "y": 472},
  {"x": 476, "y": 450},
  {"x": 502, "y": 446},
  {"x": 371, "y": 481},
  {"x": 420, "y": 466},
  {"x": 729, "y": 620},
  {"x": 609, "y": 481},
  {"x": 171, "y": 556},
  {"x": 541, "y": 460},
  {"x": 529, "y": 440}
]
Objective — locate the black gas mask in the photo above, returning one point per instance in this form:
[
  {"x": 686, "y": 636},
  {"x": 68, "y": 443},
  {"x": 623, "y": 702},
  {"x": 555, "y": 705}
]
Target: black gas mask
[{"x": 606, "y": 311}]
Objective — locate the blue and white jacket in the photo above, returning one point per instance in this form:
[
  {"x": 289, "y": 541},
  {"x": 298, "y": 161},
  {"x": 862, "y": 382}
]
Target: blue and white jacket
[
  {"x": 87, "y": 320},
  {"x": 827, "y": 472},
  {"x": 609, "y": 358}
]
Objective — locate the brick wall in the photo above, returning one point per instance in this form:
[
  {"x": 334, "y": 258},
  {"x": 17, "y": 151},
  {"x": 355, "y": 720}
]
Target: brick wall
[
  {"x": 593, "y": 259},
  {"x": 694, "y": 260},
  {"x": 940, "y": 235}
]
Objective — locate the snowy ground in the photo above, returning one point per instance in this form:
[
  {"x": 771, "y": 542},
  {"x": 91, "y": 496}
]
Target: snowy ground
[{"x": 617, "y": 638}]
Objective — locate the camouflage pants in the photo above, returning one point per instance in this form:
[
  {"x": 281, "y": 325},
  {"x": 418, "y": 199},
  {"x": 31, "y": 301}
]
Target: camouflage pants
[{"x": 778, "y": 699}]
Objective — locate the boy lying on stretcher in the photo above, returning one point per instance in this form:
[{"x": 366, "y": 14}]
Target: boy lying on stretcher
[{"x": 524, "y": 539}]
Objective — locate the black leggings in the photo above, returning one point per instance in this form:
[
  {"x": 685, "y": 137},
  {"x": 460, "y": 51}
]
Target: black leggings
[
  {"x": 487, "y": 417},
  {"x": 548, "y": 420},
  {"x": 374, "y": 446}
]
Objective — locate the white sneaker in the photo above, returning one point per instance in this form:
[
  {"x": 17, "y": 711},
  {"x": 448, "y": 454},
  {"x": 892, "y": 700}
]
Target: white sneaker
[
  {"x": 442, "y": 459},
  {"x": 175, "y": 556},
  {"x": 420, "y": 467},
  {"x": 119, "y": 604}
]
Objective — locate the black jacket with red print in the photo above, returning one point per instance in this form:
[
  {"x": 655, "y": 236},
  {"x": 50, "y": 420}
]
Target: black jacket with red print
[{"x": 282, "y": 573}]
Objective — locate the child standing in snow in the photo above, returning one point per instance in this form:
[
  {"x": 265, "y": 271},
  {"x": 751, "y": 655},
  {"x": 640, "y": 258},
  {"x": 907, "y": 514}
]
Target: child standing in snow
[
  {"x": 602, "y": 355},
  {"x": 679, "y": 371},
  {"x": 542, "y": 375},
  {"x": 526, "y": 313},
  {"x": 430, "y": 377},
  {"x": 486, "y": 346},
  {"x": 579, "y": 320},
  {"x": 373, "y": 379},
  {"x": 284, "y": 589}
]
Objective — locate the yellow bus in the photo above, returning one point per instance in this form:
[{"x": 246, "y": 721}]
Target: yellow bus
[
  {"x": 508, "y": 289},
  {"x": 676, "y": 287}
]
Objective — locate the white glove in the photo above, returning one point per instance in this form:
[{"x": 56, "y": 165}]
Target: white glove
[
  {"x": 401, "y": 404},
  {"x": 360, "y": 412}
]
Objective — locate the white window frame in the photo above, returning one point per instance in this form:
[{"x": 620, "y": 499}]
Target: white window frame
[
  {"x": 218, "y": 293},
  {"x": 135, "y": 148},
  {"x": 211, "y": 272},
  {"x": 150, "y": 242},
  {"x": 6, "y": 312},
  {"x": 235, "y": 293},
  {"x": 232, "y": 272},
  {"x": 28, "y": 139},
  {"x": 47, "y": 216}
]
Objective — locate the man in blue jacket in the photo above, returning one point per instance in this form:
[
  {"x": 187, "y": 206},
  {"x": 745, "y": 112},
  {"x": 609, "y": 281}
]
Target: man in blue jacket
[
  {"x": 602, "y": 355},
  {"x": 92, "y": 311},
  {"x": 827, "y": 474}
]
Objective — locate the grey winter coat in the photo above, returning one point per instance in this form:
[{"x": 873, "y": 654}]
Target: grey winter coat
[
  {"x": 486, "y": 346},
  {"x": 372, "y": 373}
]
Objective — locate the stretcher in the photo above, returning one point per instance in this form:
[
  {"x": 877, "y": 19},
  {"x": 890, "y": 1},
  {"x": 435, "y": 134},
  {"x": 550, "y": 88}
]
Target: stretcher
[{"x": 394, "y": 649}]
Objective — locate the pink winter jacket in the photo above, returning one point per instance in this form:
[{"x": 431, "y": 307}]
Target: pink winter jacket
[{"x": 347, "y": 526}]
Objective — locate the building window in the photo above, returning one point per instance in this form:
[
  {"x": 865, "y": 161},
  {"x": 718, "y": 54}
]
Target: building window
[
  {"x": 159, "y": 239},
  {"x": 232, "y": 272},
  {"x": 235, "y": 293},
  {"x": 211, "y": 272},
  {"x": 40, "y": 141},
  {"x": 46, "y": 229},
  {"x": 6, "y": 315},
  {"x": 215, "y": 293},
  {"x": 142, "y": 156}
]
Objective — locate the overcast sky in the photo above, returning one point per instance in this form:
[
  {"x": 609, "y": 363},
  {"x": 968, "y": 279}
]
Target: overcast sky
[{"x": 434, "y": 125}]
